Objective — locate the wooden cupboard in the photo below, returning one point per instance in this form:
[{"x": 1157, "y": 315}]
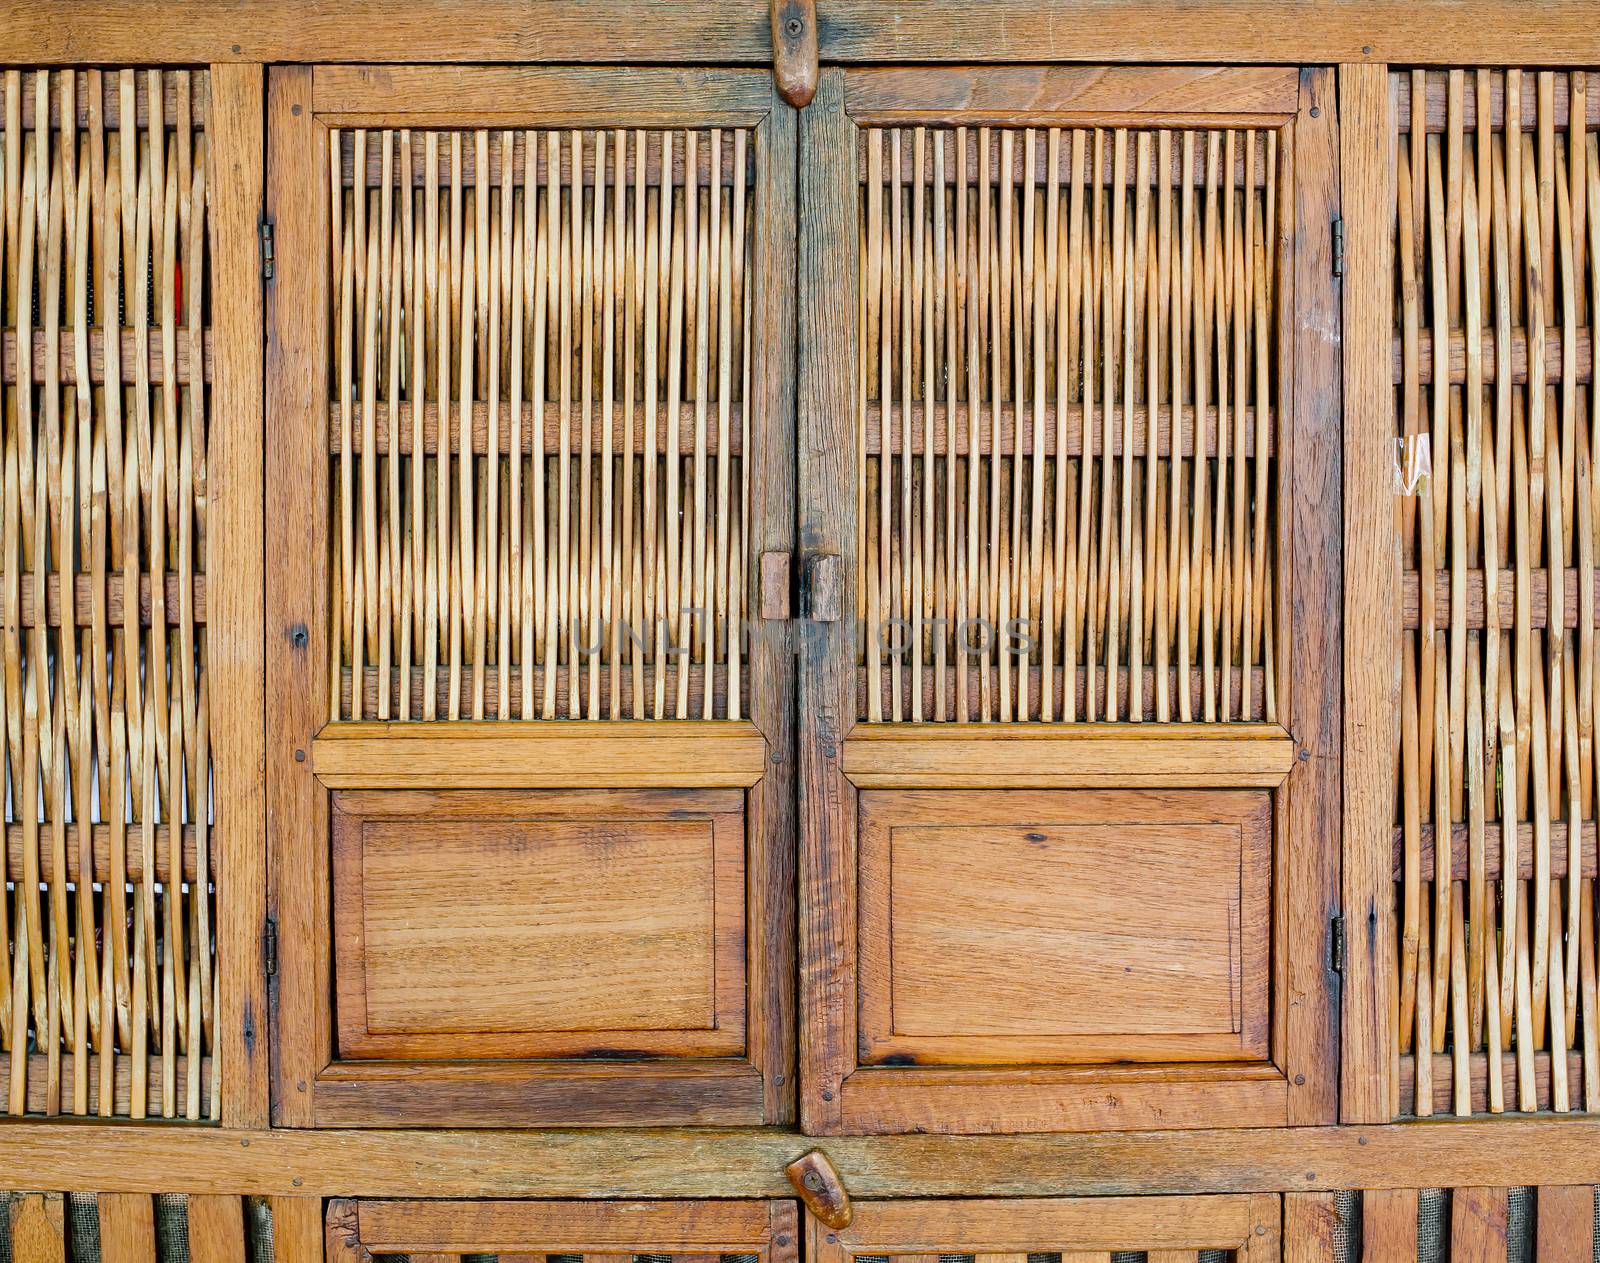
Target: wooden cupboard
[{"x": 595, "y": 603}]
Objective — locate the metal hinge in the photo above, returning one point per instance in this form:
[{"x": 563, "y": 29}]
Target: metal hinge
[
  {"x": 1338, "y": 247},
  {"x": 1336, "y": 943},
  {"x": 269, "y": 947},
  {"x": 266, "y": 249}
]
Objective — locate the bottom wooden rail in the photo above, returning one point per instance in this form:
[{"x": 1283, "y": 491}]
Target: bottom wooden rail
[{"x": 722, "y": 1162}]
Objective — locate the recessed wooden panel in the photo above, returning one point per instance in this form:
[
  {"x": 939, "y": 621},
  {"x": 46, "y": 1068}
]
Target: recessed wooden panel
[
  {"x": 1051, "y": 927},
  {"x": 1241, "y": 1229},
  {"x": 533, "y": 924},
  {"x": 608, "y": 1231}
]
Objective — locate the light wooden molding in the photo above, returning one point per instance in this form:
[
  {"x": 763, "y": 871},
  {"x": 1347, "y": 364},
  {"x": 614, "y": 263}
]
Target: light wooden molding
[
  {"x": 692, "y": 754},
  {"x": 1121, "y": 756}
]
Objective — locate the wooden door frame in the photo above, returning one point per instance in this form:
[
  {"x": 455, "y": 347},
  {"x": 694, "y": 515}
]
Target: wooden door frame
[
  {"x": 1299, "y": 1085},
  {"x": 757, "y": 1087}
]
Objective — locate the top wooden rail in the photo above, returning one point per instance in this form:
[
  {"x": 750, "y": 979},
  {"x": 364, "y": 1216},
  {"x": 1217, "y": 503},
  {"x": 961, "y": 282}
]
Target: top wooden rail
[{"x": 1423, "y": 32}]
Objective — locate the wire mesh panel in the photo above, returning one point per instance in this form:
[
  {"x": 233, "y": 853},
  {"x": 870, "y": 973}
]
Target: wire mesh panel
[
  {"x": 1069, "y": 379},
  {"x": 541, "y": 361},
  {"x": 1553, "y": 1224},
  {"x": 137, "y": 1228},
  {"x": 1497, "y": 246},
  {"x": 107, "y": 1003}
]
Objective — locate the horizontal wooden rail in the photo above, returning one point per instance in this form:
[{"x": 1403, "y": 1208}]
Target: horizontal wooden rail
[
  {"x": 111, "y": 101},
  {"x": 720, "y": 1162},
  {"x": 1436, "y": 103},
  {"x": 1460, "y": 868},
  {"x": 491, "y": 684},
  {"x": 39, "y": 1088},
  {"x": 455, "y": 122},
  {"x": 1478, "y": 1073},
  {"x": 1018, "y": 439},
  {"x": 100, "y": 840},
  {"x": 1257, "y": 174},
  {"x": 1476, "y": 613},
  {"x": 67, "y": 368},
  {"x": 83, "y": 599},
  {"x": 1431, "y": 32},
  {"x": 1059, "y": 756},
  {"x": 405, "y": 420},
  {"x": 1081, "y": 682},
  {"x": 563, "y": 754},
  {"x": 593, "y": 95},
  {"x": 1456, "y": 356},
  {"x": 1037, "y": 95}
]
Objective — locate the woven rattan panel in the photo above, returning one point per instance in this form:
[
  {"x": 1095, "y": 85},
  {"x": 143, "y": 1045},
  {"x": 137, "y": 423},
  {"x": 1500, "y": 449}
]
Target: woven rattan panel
[
  {"x": 1498, "y": 206},
  {"x": 109, "y": 995},
  {"x": 1066, "y": 419},
  {"x": 540, "y": 363}
]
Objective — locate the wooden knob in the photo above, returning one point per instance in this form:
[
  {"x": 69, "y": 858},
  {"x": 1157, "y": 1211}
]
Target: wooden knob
[
  {"x": 794, "y": 50},
  {"x": 821, "y": 1189}
]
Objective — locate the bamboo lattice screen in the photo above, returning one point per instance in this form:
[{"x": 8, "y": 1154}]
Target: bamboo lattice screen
[
  {"x": 1053, "y": 324},
  {"x": 1497, "y": 242},
  {"x": 541, "y": 355},
  {"x": 107, "y": 1003}
]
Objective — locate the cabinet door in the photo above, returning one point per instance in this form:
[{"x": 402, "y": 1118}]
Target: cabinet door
[
  {"x": 1235, "y": 1229},
  {"x": 1069, "y": 463},
  {"x": 529, "y": 431}
]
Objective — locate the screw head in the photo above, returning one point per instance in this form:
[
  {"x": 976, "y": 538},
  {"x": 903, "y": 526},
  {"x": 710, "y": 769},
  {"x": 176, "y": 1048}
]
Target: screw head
[
  {"x": 794, "y": 26},
  {"x": 813, "y": 1181}
]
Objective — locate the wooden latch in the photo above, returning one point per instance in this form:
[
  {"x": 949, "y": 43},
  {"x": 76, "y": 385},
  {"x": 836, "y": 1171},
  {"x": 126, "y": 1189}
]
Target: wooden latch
[
  {"x": 794, "y": 50},
  {"x": 776, "y": 584},
  {"x": 822, "y": 588},
  {"x": 821, "y": 1189}
]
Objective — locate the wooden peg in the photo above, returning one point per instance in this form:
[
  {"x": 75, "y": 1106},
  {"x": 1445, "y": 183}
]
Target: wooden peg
[
  {"x": 794, "y": 50},
  {"x": 821, "y": 1189}
]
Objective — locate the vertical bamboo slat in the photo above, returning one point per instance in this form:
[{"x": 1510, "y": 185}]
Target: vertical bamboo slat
[
  {"x": 109, "y": 1004},
  {"x": 1495, "y": 227},
  {"x": 1066, "y": 418},
  {"x": 537, "y": 433}
]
